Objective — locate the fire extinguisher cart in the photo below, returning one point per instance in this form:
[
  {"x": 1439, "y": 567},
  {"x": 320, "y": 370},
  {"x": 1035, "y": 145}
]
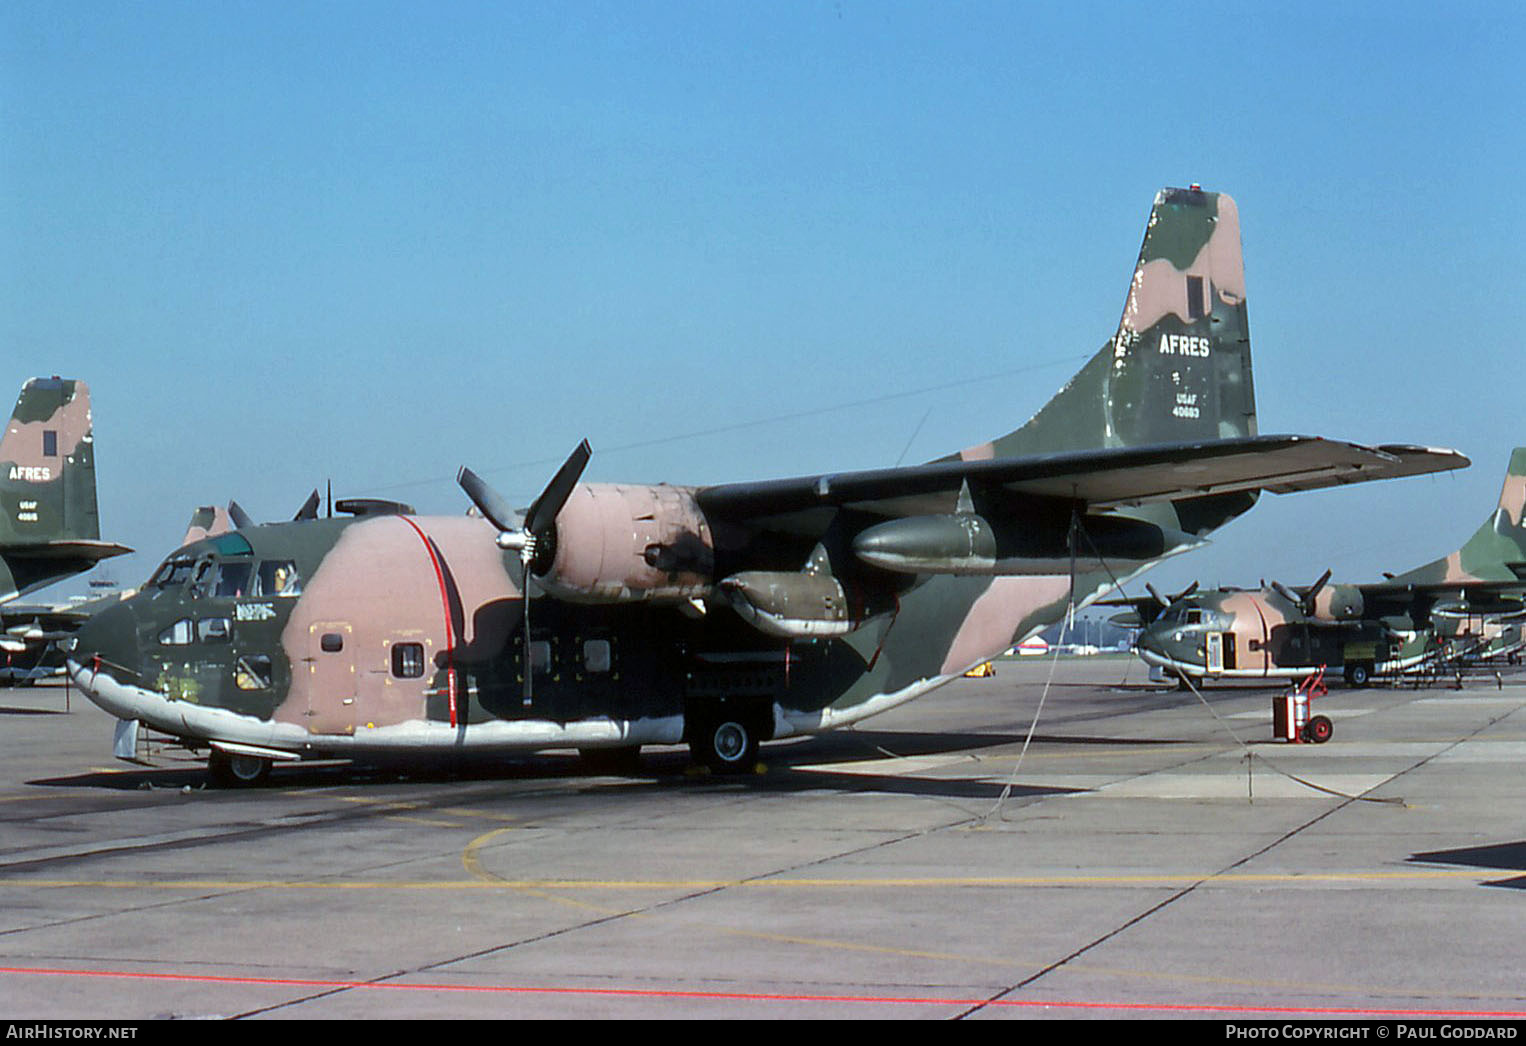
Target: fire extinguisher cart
[{"x": 1291, "y": 720}]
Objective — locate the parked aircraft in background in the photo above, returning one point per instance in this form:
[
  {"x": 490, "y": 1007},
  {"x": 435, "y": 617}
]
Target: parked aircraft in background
[
  {"x": 1469, "y": 604},
  {"x": 612, "y": 616},
  {"x": 49, "y": 524}
]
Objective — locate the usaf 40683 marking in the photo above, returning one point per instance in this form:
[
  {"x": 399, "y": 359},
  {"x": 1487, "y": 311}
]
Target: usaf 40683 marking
[{"x": 611, "y": 616}]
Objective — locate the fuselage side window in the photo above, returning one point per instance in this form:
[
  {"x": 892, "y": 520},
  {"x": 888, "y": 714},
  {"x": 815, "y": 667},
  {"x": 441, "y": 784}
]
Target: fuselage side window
[
  {"x": 252, "y": 672},
  {"x": 178, "y": 634},
  {"x": 407, "y": 660}
]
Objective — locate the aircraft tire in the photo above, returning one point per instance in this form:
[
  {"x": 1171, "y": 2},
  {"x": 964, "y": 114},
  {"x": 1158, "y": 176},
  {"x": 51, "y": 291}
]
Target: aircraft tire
[
  {"x": 1359, "y": 674},
  {"x": 727, "y": 744},
  {"x": 237, "y": 771},
  {"x": 1319, "y": 730}
]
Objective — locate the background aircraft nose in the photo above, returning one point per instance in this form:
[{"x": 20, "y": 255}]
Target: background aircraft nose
[{"x": 112, "y": 636}]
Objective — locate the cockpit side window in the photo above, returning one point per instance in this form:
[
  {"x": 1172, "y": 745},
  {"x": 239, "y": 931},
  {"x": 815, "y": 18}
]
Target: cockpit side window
[
  {"x": 278, "y": 577},
  {"x": 1194, "y": 617},
  {"x": 233, "y": 580}
]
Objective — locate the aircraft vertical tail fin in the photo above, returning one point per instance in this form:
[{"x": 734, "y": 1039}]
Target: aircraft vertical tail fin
[
  {"x": 1178, "y": 368},
  {"x": 1497, "y": 549},
  {"x": 47, "y": 466}
]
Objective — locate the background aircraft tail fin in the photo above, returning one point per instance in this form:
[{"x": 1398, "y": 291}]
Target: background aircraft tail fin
[
  {"x": 1497, "y": 550},
  {"x": 1178, "y": 368},
  {"x": 47, "y": 466}
]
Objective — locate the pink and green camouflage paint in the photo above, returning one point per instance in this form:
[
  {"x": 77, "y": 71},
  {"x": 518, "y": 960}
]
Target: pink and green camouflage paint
[{"x": 728, "y": 614}]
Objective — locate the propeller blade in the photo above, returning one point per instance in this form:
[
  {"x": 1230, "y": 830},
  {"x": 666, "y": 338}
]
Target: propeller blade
[
  {"x": 1314, "y": 590},
  {"x": 309, "y": 509},
  {"x": 543, "y": 512},
  {"x": 1184, "y": 593},
  {"x": 492, "y": 507},
  {"x": 241, "y": 520}
]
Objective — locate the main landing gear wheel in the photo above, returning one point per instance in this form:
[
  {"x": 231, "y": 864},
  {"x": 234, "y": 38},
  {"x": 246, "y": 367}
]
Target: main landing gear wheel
[
  {"x": 1359, "y": 674},
  {"x": 233, "y": 770},
  {"x": 1318, "y": 730},
  {"x": 728, "y": 745}
]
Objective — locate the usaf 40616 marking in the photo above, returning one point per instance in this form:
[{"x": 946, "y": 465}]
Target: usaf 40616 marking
[{"x": 612, "y": 616}]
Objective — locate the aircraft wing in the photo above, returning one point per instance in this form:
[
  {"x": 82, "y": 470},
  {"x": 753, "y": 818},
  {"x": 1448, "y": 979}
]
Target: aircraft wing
[
  {"x": 1100, "y": 479},
  {"x": 40, "y": 622}
]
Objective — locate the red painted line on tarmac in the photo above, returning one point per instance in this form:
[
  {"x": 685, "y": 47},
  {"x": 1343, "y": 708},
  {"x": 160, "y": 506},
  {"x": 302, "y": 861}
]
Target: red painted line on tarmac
[{"x": 660, "y": 994}]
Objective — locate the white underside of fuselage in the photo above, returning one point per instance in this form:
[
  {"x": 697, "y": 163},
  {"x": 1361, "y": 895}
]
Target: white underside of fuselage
[
  {"x": 1196, "y": 670},
  {"x": 199, "y": 723}
]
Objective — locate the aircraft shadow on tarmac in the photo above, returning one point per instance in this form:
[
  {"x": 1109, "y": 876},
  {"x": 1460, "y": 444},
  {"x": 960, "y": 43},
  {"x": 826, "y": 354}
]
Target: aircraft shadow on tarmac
[
  {"x": 808, "y": 765},
  {"x": 1506, "y": 856}
]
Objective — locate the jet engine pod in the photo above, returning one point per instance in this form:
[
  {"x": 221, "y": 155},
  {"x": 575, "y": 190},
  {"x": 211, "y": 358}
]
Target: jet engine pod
[
  {"x": 966, "y": 543},
  {"x": 1338, "y": 603},
  {"x": 954, "y": 544},
  {"x": 627, "y": 544},
  {"x": 785, "y": 603}
]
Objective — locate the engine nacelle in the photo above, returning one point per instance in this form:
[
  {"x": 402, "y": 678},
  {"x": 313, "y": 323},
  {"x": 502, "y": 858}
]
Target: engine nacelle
[
  {"x": 628, "y": 544},
  {"x": 1338, "y": 603},
  {"x": 795, "y": 605}
]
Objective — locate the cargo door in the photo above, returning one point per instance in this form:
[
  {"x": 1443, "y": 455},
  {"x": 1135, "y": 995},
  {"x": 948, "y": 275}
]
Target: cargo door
[{"x": 1214, "y": 650}]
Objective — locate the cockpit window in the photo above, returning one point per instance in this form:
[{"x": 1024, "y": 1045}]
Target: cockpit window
[
  {"x": 201, "y": 574},
  {"x": 1194, "y": 617},
  {"x": 172, "y": 573},
  {"x": 278, "y": 577},
  {"x": 232, "y": 545},
  {"x": 233, "y": 580}
]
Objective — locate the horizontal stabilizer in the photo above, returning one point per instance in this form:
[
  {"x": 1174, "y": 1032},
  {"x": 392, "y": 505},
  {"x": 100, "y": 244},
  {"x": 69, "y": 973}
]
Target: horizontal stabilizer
[{"x": 76, "y": 549}]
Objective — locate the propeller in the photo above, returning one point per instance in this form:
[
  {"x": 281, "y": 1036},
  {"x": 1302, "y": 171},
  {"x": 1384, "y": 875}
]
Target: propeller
[
  {"x": 1304, "y": 602},
  {"x": 309, "y": 510},
  {"x": 241, "y": 520},
  {"x": 539, "y": 525}
]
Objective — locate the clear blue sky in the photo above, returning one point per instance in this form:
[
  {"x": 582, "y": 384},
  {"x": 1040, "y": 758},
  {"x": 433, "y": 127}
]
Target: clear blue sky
[{"x": 371, "y": 242}]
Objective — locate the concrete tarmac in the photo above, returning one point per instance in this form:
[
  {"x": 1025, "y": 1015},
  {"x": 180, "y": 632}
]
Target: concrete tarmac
[{"x": 1145, "y": 854}]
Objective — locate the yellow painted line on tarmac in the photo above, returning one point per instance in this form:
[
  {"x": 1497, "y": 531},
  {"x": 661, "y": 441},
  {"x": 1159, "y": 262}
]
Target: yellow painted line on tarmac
[{"x": 483, "y": 879}]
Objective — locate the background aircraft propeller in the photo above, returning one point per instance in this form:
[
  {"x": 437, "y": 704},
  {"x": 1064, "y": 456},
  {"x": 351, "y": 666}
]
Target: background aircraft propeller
[{"x": 1305, "y": 600}]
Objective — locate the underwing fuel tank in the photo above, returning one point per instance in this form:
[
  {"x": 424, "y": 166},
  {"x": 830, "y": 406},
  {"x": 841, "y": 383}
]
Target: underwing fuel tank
[
  {"x": 792, "y": 604},
  {"x": 955, "y": 544},
  {"x": 966, "y": 543}
]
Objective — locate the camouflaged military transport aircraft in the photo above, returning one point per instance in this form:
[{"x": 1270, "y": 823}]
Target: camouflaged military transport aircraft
[
  {"x": 1468, "y": 605},
  {"x": 720, "y": 615},
  {"x": 49, "y": 525}
]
